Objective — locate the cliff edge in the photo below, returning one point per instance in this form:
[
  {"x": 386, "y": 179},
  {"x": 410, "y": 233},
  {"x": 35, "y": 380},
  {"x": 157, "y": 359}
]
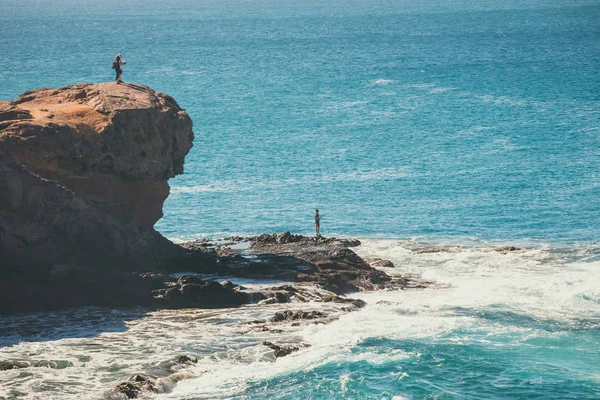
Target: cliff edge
[{"x": 83, "y": 176}]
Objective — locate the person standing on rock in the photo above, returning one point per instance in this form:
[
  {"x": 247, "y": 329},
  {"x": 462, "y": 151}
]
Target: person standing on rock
[
  {"x": 116, "y": 65},
  {"x": 318, "y": 223}
]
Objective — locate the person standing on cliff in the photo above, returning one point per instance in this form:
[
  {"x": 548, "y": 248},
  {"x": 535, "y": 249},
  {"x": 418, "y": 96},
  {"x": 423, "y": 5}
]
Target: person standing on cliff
[
  {"x": 318, "y": 223},
  {"x": 116, "y": 65}
]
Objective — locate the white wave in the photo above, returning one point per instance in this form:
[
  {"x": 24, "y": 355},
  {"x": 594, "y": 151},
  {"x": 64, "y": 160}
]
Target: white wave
[
  {"x": 419, "y": 85},
  {"x": 191, "y": 72},
  {"x": 441, "y": 90},
  {"x": 214, "y": 187},
  {"x": 252, "y": 185},
  {"x": 476, "y": 130},
  {"x": 382, "y": 81},
  {"x": 430, "y": 88},
  {"x": 475, "y": 296},
  {"x": 534, "y": 282}
]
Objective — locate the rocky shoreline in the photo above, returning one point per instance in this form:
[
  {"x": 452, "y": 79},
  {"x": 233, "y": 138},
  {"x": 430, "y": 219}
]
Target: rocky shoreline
[
  {"x": 314, "y": 269},
  {"x": 296, "y": 272},
  {"x": 83, "y": 177},
  {"x": 201, "y": 277},
  {"x": 84, "y": 173}
]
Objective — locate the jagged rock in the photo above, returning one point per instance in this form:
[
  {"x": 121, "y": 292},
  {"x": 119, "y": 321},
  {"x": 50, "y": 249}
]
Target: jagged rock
[
  {"x": 137, "y": 384},
  {"x": 196, "y": 291},
  {"x": 281, "y": 350},
  {"x": 114, "y": 144},
  {"x": 296, "y": 315},
  {"x": 129, "y": 389},
  {"x": 506, "y": 249},
  {"x": 350, "y": 242},
  {"x": 211, "y": 294},
  {"x": 438, "y": 250},
  {"x": 186, "y": 360},
  {"x": 7, "y": 365},
  {"x": 155, "y": 280},
  {"x": 345, "y": 300},
  {"x": 10, "y": 112},
  {"x": 379, "y": 263},
  {"x": 285, "y": 237}
]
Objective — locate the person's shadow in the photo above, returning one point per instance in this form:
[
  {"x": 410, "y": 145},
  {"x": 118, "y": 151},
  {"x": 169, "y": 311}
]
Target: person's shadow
[{"x": 134, "y": 86}]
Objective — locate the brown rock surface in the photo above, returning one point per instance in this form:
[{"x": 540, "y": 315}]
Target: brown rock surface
[
  {"x": 83, "y": 175},
  {"x": 113, "y": 144}
]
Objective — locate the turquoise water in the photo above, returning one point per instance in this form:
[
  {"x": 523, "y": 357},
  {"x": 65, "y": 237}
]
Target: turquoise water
[
  {"x": 441, "y": 121},
  {"x": 397, "y": 119}
]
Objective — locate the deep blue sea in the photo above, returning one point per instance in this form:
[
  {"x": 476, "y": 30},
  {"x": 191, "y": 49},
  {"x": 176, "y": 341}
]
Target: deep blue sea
[{"x": 464, "y": 122}]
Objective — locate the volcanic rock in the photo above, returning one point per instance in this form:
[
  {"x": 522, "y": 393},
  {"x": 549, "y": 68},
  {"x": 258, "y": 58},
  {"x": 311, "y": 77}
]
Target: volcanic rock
[
  {"x": 289, "y": 315},
  {"x": 281, "y": 350}
]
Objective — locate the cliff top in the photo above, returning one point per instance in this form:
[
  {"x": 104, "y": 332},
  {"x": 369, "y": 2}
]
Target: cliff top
[
  {"x": 89, "y": 104},
  {"x": 125, "y": 130}
]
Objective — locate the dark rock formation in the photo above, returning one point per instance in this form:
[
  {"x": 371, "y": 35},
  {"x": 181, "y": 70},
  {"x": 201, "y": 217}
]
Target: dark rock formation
[
  {"x": 83, "y": 176},
  {"x": 186, "y": 360},
  {"x": 7, "y": 365},
  {"x": 195, "y": 291},
  {"x": 136, "y": 385},
  {"x": 289, "y": 315},
  {"x": 280, "y": 349},
  {"x": 327, "y": 262},
  {"x": 143, "y": 384},
  {"x": 379, "y": 263}
]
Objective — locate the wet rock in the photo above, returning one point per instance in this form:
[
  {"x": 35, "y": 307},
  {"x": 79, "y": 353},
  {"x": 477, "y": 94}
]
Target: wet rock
[
  {"x": 7, "y": 365},
  {"x": 234, "y": 239},
  {"x": 130, "y": 390},
  {"x": 296, "y": 315},
  {"x": 155, "y": 280},
  {"x": 171, "y": 295},
  {"x": 229, "y": 285},
  {"x": 345, "y": 300},
  {"x": 350, "y": 242},
  {"x": 326, "y": 262},
  {"x": 186, "y": 360},
  {"x": 281, "y": 350},
  {"x": 506, "y": 249},
  {"x": 136, "y": 385},
  {"x": 197, "y": 291},
  {"x": 257, "y": 321},
  {"x": 439, "y": 250},
  {"x": 267, "y": 301},
  {"x": 379, "y": 263},
  {"x": 212, "y": 294},
  {"x": 52, "y": 364}
]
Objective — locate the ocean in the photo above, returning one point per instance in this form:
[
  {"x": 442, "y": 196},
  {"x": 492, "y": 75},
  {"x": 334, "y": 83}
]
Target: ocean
[{"x": 409, "y": 124}]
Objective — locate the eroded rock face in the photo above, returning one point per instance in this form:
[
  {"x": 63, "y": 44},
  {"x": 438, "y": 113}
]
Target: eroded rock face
[
  {"x": 83, "y": 174},
  {"x": 115, "y": 145}
]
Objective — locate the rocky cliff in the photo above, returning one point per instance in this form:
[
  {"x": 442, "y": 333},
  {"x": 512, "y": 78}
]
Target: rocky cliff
[{"x": 83, "y": 176}]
